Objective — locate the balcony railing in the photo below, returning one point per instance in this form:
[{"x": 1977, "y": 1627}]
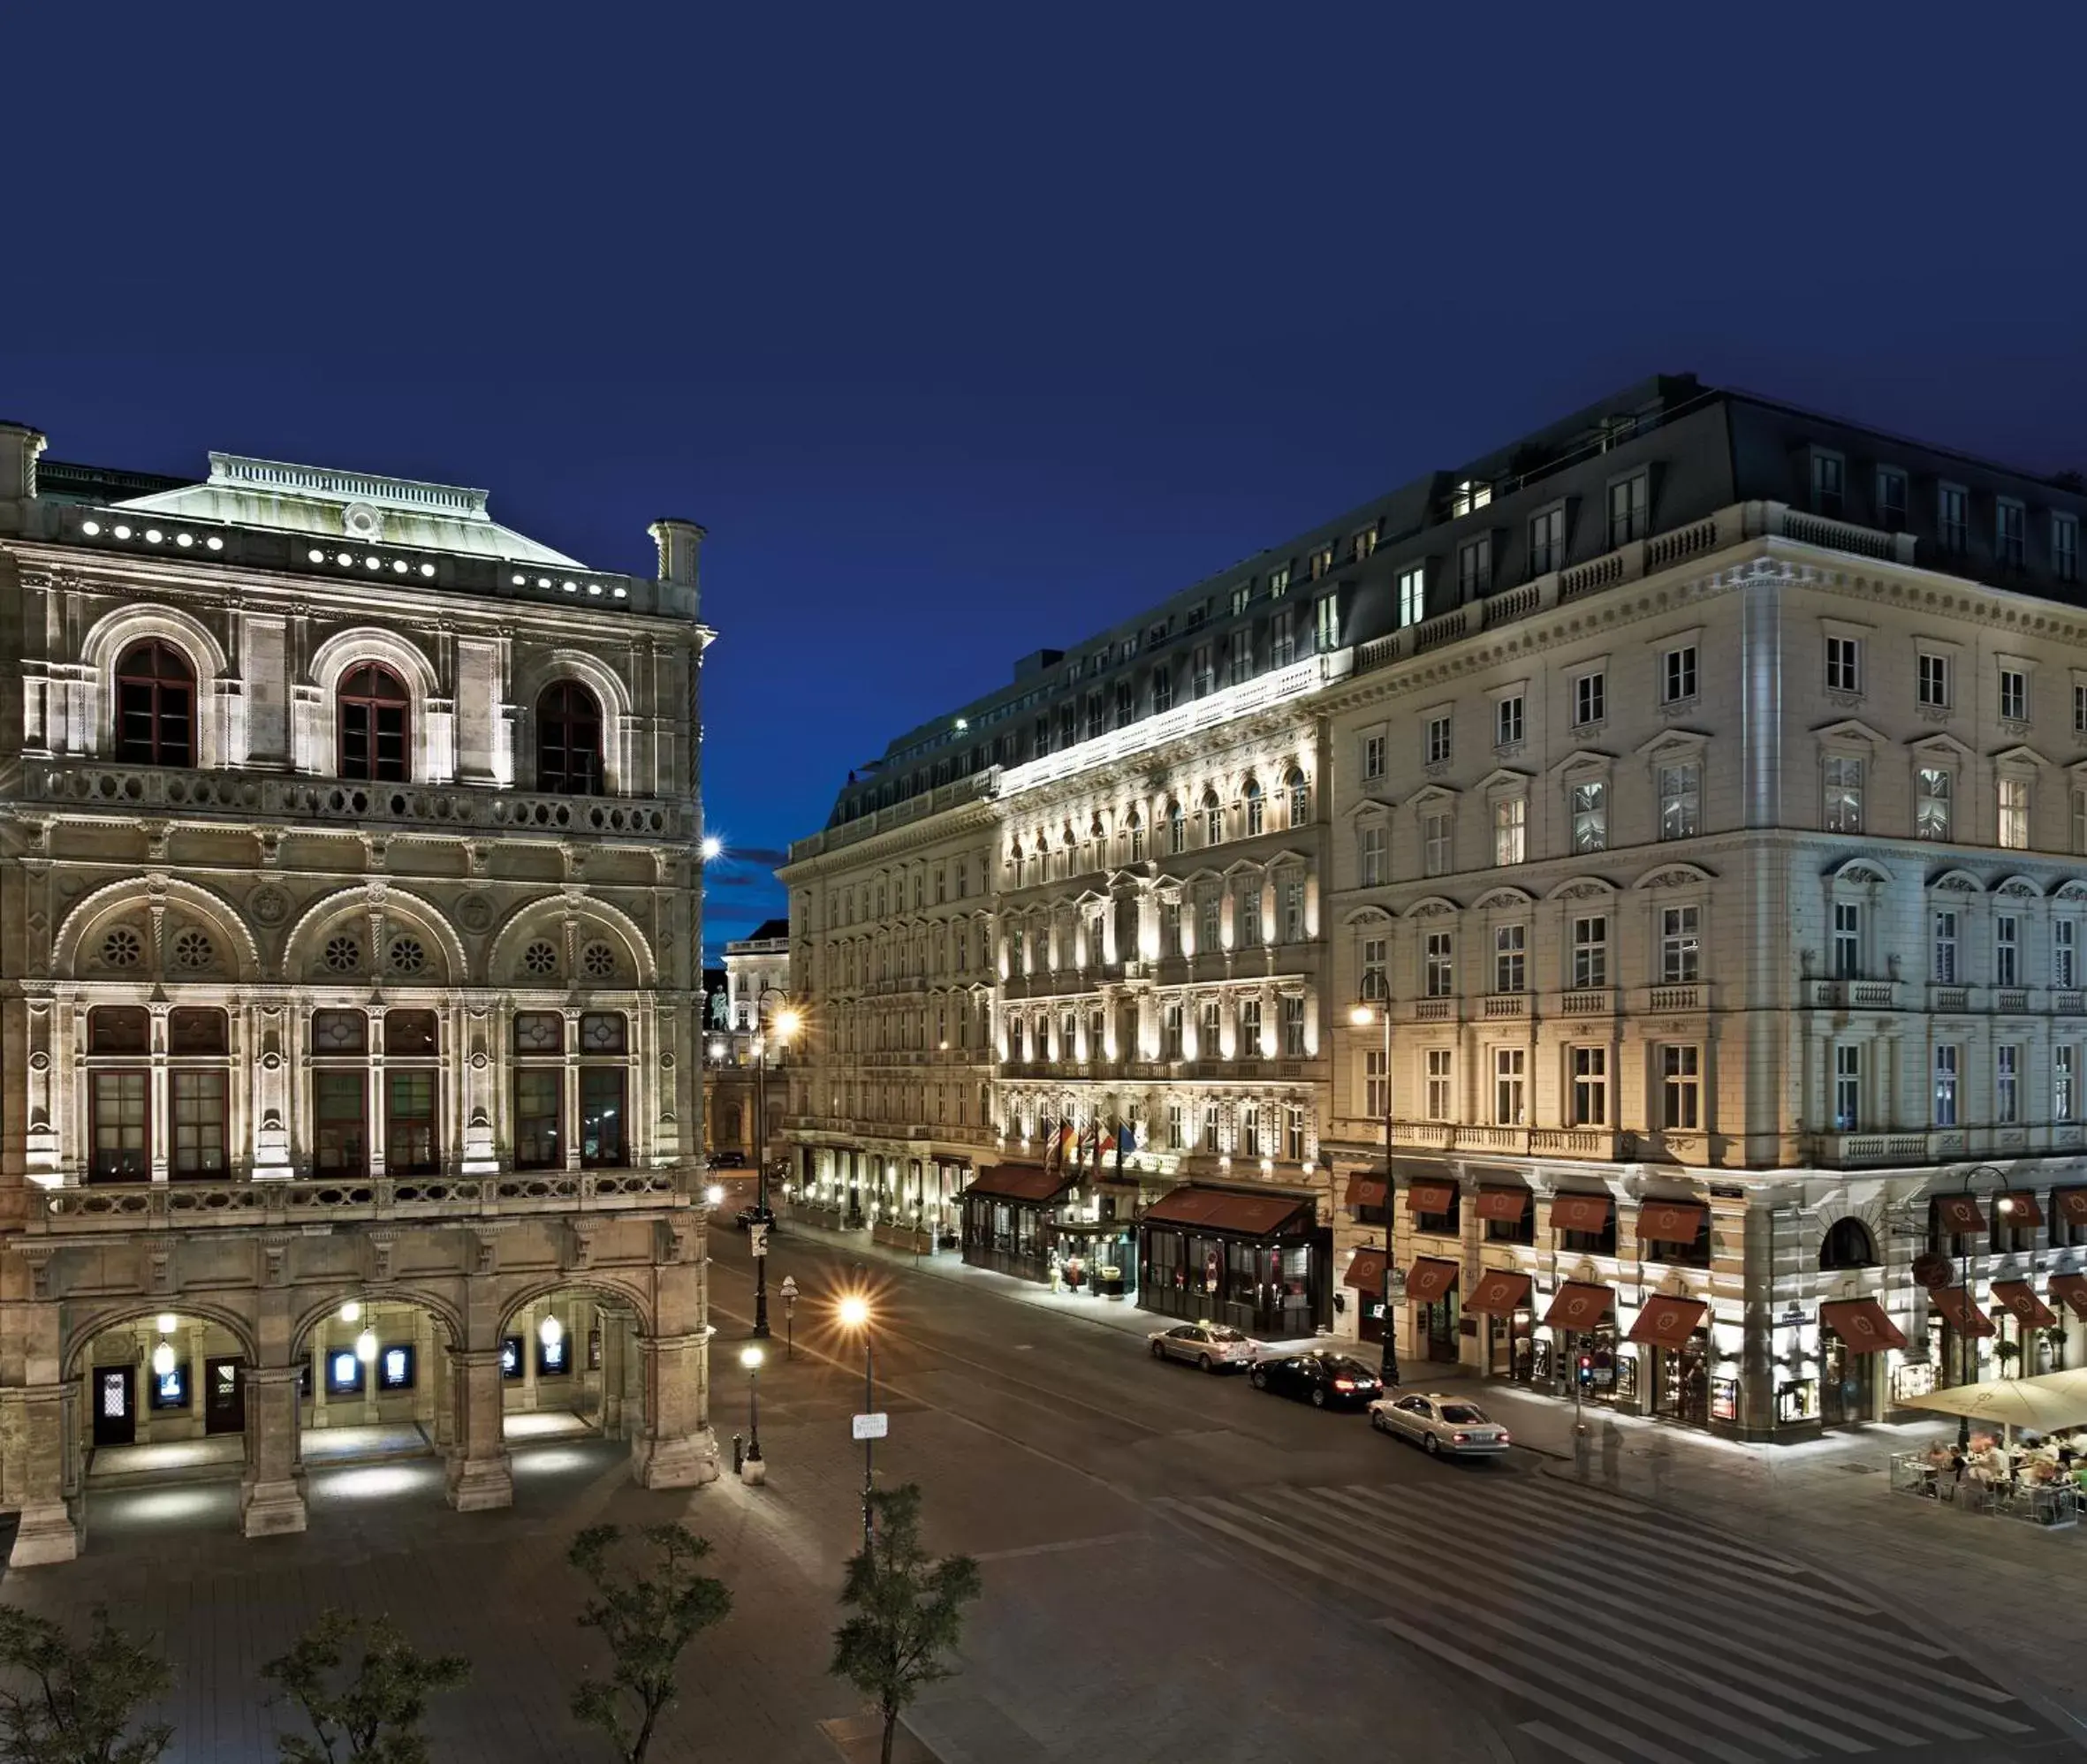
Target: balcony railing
[
  {"x": 187, "y": 1206},
  {"x": 1855, "y": 995},
  {"x": 172, "y": 791}
]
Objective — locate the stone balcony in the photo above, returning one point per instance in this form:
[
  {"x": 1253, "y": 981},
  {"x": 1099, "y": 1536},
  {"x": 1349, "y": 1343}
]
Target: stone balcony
[
  {"x": 303, "y": 1203},
  {"x": 174, "y": 792}
]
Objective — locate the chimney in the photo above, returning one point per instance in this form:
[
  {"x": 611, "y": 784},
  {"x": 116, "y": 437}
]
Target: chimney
[
  {"x": 20, "y": 446},
  {"x": 680, "y": 542}
]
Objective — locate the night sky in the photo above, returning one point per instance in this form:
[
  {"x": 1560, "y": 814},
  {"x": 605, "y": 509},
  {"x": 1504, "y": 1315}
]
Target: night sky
[{"x": 966, "y": 331}]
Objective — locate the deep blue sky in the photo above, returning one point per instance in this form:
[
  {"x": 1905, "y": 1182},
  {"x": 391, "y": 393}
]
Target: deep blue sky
[{"x": 968, "y": 329}]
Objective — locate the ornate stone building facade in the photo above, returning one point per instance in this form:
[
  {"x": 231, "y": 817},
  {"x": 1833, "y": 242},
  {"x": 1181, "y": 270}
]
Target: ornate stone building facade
[{"x": 350, "y": 953}]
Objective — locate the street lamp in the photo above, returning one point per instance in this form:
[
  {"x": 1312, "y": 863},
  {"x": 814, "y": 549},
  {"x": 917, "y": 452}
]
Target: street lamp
[
  {"x": 714, "y": 1194},
  {"x": 750, "y": 1357},
  {"x": 1363, "y": 1016},
  {"x": 853, "y": 1312},
  {"x": 713, "y": 847},
  {"x": 785, "y": 1024}
]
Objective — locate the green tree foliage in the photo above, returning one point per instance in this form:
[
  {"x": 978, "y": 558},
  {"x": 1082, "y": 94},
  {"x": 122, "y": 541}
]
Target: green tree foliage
[
  {"x": 646, "y": 1618},
  {"x": 62, "y": 1703},
  {"x": 909, "y": 1610},
  {"x": 373, "y": 1717}
]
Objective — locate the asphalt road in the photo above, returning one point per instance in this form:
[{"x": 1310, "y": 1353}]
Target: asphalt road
[{"x": 1181, "y": 1567}]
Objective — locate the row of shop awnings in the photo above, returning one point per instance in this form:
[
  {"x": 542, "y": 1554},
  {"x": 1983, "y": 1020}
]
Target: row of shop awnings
[
  {"x": 1960, "y": 1214},
  {"x": 1666, "y": 1221},
  {"x": 1664, "y": 1320},
  {"x": 1210, "y": 1209}
]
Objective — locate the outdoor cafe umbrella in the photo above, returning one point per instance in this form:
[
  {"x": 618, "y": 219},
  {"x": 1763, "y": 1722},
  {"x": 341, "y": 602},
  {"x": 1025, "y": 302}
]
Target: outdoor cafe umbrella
[{"x": 2048, "y": 1404}]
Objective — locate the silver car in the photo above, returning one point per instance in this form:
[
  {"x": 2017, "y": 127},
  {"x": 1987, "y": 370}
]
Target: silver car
[
  {"x": 1210, "y": 1345},
  {"x": 1440, "y": 1423}
]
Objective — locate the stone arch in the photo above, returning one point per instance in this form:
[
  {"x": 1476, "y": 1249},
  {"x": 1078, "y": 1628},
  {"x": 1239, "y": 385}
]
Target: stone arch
[
  {"x": 1864, "y": 870},
  {"x": 318, "y": 733},
  {"x": 1672, "y": 876},
  {"x": 1847, "y": 1245},
  {"x": 505, "y": 953},
  {"x": 93, "y": 911},
  {"x": 2023, "y": 888},
  {"x": 611, "y": 692},
  {"x": 1962, "y": 881},
  {"x": 446, "y": 1314},
  {"x": 594, "y": 1285},
  {"x": 115, "y": 1313},
  {"x": 117, "y": 630},
  {"x": 402, "y": 910},
  {"x": 1503, "y": 899},
  {"x": 1830, "y": 1213},
  {"x": 1582, "y": 887},
  {"x": 1431, "y": 906}
]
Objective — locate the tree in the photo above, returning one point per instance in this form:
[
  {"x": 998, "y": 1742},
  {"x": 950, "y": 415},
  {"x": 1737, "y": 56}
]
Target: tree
[
  {"x": 909, "y": 1610},
  {"x": 373, "y": 1718},
  {"x": 646, "y": 1620},
  {"x": 79, "y": 1699}
]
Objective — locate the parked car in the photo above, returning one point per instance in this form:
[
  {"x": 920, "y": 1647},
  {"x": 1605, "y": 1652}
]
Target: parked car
[
  {"x": 1319, "y": 1376},
  {"x": 728, "y": 1160},
  {"x": 753, "y": 1216},
  {"x": 1441, "y": 1424},
  {"x": 1210, "y": 1345}
]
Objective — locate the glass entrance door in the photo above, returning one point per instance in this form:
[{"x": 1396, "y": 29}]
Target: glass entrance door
[
  {"x": 1846, "y": 1382},
  {"x": 116, "y": 1411}
]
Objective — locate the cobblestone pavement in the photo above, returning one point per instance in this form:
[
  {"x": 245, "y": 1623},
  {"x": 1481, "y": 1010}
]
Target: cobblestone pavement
[{"x": 1176, "y": 1567}]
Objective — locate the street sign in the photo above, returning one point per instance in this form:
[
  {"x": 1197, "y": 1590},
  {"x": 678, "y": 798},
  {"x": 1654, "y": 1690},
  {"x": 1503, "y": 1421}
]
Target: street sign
[
  {"x": 1395, "y": 1285},
  {"x": 789, "y": 1286},
  {"x": 757, "y": 1236},
  {"x": 872, "y": 1427}
]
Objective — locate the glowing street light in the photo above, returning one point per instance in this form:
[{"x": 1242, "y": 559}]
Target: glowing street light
[
  {"x": 714, "y": 1194},
  {"x": 853, "y": 1312},
  {"x": 752, "y": 1470},
  {"x": 551, "y": 1331},
  {"x": 713, "y": 848}
]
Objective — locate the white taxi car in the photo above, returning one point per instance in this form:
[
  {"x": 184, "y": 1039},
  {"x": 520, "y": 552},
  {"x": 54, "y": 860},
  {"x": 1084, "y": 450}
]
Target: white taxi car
[{"x": 1440, "y": 1423}]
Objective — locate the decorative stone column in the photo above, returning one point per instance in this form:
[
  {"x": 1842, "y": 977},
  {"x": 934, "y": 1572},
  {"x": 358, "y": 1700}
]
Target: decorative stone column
[
  {"x": 675, "y": 1447},
  {"x": 1269, "y": 927},
  {"x": 1269, "y": 1032},
  {"x": 479, "y": 1475},
  {"x": 271, "y": 1488},
  {"x": 47, "y": 1416},
  {"x": 1311, "y": 1025},
  {"x": 1148, "y": 1027}
]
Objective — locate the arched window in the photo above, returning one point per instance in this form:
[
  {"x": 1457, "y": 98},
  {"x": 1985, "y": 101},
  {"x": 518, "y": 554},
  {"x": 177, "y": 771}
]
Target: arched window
[
  {"x": 1213, "y": 819},
  {"x": 1300, "y": 797},
  {"x": 1134, "y": 826},
  {"x": 1177, "y": 828},
  {"x": 569, "y": 740},
  {"x": 1847, "y": 1244},
  {"x": 155, "y": 706},
  {"x": 1254, "y": 807},
  {"x": 375, "y": 719}
]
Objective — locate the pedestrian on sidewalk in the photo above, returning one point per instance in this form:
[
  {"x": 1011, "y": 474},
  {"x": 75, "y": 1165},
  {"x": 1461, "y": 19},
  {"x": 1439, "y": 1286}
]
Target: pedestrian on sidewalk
[
  {"x": 1612, "y": 1451},
  {"x": 1580, "y": 1454}
]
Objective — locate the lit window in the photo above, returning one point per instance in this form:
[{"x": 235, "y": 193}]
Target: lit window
[
  {"x": 1946, "y": 1068},
  {"x": 1590, "y": 815},
  {"x": 2013, "y": 830},
  {"x": 1591, "y": 952},
  {"x": 1932, "y": 788},
  {"x": 1413, "y": 594},
  {"x": 1844, "y": 794},
  {"x": 1848, "y": 1089},
  {"x": 1510, "y": 830},
  {"x": 1681, "y": 801},
  {"x": 1510, "y": 958}
]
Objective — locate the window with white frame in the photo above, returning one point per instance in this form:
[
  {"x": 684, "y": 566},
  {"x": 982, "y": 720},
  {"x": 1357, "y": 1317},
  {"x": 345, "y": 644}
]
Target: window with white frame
[
  {"x": 1441, "y": 1084},
  {"x": 1681, "y": 1073},
  {"x": 2011, "y": 796},
  {"x": 1438, "y": 964},
  {"x": 1213, "y": 818},
  {"x": 1437, "y": 740},
  {"x": 1943, "y": 968},
  {"x": 1680, "y": 800},
  {"x": 1210, "y": 1140},
  {"x": 2007, "y": 949},
  {"x": 1293, "y": 909},
  {"x": 1844, "y": 665},
  {"x": 1510, "y": 1085},
  {"x": 1245, "y": 914},
  {"x": 1435, "y": 842},
  {"x": 1249, "y": 1028},
  {"x": 2014, "y": 695},
  {"x": 1844, "y": 793},
  {"x": 1372, "y": 849},
  {"x": 1680, "y": 946},
  {"x": 1932, "y": 680},
  {"x": 1293, "y": 1132},
  {"x": 1210, "y": 919},
  {"x": 2007, "y": 1084},
  {"x": 1377, "y": 1084},
  {"x": 1848, "y": 940},
  {"x": 1413, "y": 594},
  {"x": 1508, "y": 721},
  {"x": 1946, "y": 1057},
  {"x": 1293, "y": 1025},
  {"x": 2064, "y": 953},
  {"x": 1591, "y": 1086},
  {"x": 1590, "y": 951},
  {"x": 1934, "y": 789},
  {"x": 1590, "y": 697},
  {"x": 2064, "y": 1093},
  {"x": 1510, "y": 829},
  {"x": 1510, "y": 958},
  {"x": 1847, "y": 1089},
  {"x": 1374, "y": 968},
  {"x": 1211, "y": 1032},
  {"x": 1373, "y": 751},
  {"x": 1173, "y": 1127},
  {"x": 1677, "y": 674},
  {"x": 2065, "y": 547},
  {"x": 1591, "y": 814},
  {"x": 1256, "y": 809}
]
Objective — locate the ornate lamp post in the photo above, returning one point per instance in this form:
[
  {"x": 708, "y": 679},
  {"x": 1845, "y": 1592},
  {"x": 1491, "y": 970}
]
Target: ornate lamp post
[
  {"x": 853, "y": 1312},
  {"x": 786, "y": 1023}
]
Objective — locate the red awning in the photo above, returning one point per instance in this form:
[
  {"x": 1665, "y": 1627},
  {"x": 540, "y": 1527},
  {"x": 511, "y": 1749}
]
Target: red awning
[
  {"x": 1226, "y": 1209},
  {"x": 1364, "y": 1191},
  {"x": 1959, "y": 1215},
  {"x": 1862, "y": 1325},
  {"x": 1671, "y": 1221},
  {"x": 1365, "y": 1273},
  {"x": 1502, "y": 1203},
  {"x": 2072, "y": 1202},
  {"x": 2020, "y": 1297},
  {"x": 1964, "y": 1317},
  {"x": 1578, "y": 1306},
  {"x": 1499, "y": 1292},
  {"x": 1579, "y": 1212},
  {"x": 1022, "y": 1182},
  {"x": 1429, "y": 1197},
  {"x": 1667, "y": 1321},
  {"x": 2072, "y": 1289},
  {"x": 1428, "y": 1278},
  {"x": 2023, "y": 1209}
]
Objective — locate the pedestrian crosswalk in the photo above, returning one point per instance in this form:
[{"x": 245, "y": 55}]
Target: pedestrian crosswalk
[{"x": 1620, "y": 1636}]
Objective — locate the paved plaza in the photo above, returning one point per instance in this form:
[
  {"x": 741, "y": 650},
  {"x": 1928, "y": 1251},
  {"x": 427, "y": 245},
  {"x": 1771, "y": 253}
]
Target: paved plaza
[{"x": 1176, "y": 1567}]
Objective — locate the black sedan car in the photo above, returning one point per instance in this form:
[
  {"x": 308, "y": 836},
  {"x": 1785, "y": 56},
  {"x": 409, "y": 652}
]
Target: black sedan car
[
  {"x": 752, "y": 1216},
  {"x": 1319, "y": 1376}
]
